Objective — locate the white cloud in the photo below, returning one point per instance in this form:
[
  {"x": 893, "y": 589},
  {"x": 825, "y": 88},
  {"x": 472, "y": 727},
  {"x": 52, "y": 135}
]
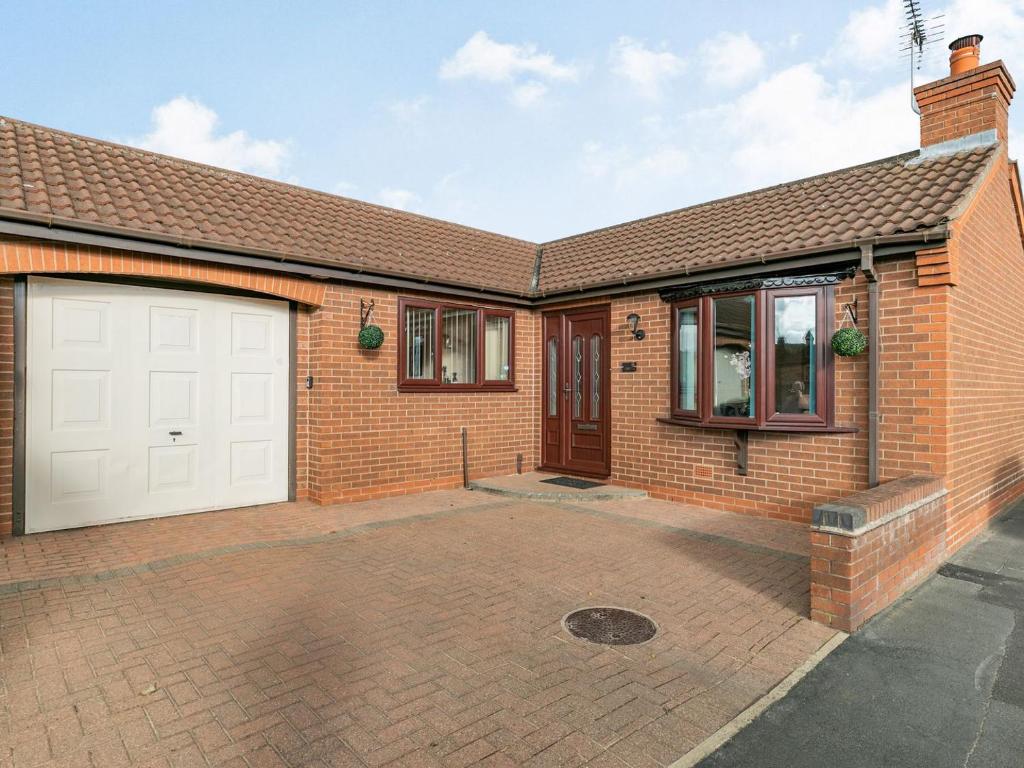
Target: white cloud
[
  {"x": 626, "y": 167},
  {"x": 408, "y": 110},
  {"x": 797, "y": 123},
  {"x": 186, "y": 128},
  {"x": 344, "y": 188},
  {"x": 1000, "y": 21},
  {"x": 871, "y": 37},
  {"x": 731, "y": 59},
  {"x": 483, "y": 58},
  {"x": 402, "y": 199},
  {"x": 529, "y": 93},
  {"x": 646, "y": 68},
  {"x": 870, "y": 40}
]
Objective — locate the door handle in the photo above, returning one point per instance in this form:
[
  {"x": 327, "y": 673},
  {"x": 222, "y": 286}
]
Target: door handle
[
  {"x": 175, "y": 433},
  {"x": 565, "y": 390}
]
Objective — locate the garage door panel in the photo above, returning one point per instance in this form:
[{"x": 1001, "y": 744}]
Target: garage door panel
[
  {"x": 77, "y": 476},
  {"x": 145, "y": 401},
  {"x": 173, "y": 330},
  {"x": 252, "y": 398},
  {"x": 173, "y": 398},
  {"x": 80, "y": 399},
  {"x": 173, "y": 468},
  {"x": 252, "y": 334},
  {"x": 252, "y": 462},
  {"x": 80, "y": 324}
]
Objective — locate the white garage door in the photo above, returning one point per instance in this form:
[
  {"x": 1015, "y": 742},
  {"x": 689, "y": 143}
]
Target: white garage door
[{"x": 144, "y": 402}]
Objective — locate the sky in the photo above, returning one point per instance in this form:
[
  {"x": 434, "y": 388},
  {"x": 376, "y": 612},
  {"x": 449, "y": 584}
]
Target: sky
[{"x": 532, "y": 119}]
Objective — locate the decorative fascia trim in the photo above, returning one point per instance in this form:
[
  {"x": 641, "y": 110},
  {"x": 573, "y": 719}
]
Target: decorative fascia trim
[{"x": 683, "y": 292}]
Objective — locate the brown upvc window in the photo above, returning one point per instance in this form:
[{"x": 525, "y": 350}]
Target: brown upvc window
[
  {"x": 686, "y": 359},
  {"x": 454, "y": 347},
  {"x": 755, "y": 359}
]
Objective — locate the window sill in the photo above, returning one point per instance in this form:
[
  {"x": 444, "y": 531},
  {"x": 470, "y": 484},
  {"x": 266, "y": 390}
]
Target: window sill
[
  {"x": 797, "y": 428},
  {"x": 455, "y": 390}
]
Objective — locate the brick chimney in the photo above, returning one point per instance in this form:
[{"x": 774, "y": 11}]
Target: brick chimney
[{"x": 974, "y": 98}]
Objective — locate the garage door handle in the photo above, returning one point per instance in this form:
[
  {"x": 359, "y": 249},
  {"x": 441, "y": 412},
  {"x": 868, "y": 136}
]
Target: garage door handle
[{"x": 175, "y": 433}]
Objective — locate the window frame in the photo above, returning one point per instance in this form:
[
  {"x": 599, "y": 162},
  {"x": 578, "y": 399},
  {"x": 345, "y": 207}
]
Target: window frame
[
  {"x": 707, "y": 352},
  {"x": 823, "y": 362},
  {"x": 765, "y": 416},
  {"x": 434, "y": 384},
  {"x": 677, "y": 411}
]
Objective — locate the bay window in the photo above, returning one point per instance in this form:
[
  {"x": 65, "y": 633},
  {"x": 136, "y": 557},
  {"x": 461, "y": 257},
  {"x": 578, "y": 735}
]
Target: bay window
[
  {"x": 755, "y": 359},
  {"x": 456, "y": 347}
]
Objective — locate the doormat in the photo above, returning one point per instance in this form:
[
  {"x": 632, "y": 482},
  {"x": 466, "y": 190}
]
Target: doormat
[{"x": 572, "y": 482}]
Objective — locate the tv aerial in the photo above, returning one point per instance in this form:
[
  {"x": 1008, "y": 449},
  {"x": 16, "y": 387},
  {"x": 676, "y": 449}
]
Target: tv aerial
[{"x": 918, "y": 39}]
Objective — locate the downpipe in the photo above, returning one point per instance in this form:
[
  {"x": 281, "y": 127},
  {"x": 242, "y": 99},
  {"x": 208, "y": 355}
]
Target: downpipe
[{"x": 867, "y": 266}]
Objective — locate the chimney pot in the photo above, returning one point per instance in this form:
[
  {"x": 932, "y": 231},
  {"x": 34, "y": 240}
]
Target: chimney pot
[{"x": 965, "y": 54}]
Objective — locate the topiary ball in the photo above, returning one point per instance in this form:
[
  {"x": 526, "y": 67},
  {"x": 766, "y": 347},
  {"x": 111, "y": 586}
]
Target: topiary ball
[
  {"x": 849, "y": 342},
  {"x": 371, "y": 337}
]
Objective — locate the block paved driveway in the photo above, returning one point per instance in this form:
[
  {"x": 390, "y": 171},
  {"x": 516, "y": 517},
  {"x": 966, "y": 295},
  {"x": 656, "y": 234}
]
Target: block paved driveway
[{"x": 419, "y": 631}]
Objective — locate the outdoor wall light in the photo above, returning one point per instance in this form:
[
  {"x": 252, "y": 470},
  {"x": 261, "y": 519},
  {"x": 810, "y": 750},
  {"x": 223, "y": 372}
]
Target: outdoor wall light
[{"x": 634, "y": 320}]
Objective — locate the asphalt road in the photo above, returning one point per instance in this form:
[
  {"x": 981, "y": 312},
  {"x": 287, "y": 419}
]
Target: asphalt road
[{"x": 937, "y": 680}]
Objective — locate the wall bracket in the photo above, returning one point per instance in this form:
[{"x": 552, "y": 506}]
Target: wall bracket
[
  {"x": 365, "y": 313},
  {"x": 741, "y": 439}
]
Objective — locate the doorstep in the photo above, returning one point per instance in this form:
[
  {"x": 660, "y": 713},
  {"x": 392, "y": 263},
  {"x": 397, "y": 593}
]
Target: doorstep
[{"x": 531, "y": 485}]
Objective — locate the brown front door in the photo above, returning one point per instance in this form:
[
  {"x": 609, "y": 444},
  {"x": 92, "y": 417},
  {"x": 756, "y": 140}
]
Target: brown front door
[{"x": 577, "y": 391}]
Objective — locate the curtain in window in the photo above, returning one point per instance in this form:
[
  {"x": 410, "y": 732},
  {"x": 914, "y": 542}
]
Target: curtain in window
[
  {"x": 497, "y": 343},
  {"x": 686, "y": 359},
  {"x": 458, "y": 354},
  {"x": 419, "y": 343}
]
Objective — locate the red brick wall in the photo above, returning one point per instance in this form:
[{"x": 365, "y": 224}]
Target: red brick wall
[
  {"x": 951, "y": 398},
  {"x": 902, "y": 539},
  {"x": 788, "y": 473},
  {"x": 20, "y": 256},
  {"x": 356, "y": 435},
  {"x": 986, "y": 468},
  {"x": 913, "y": 374},
  {"x": 972, "y": 102},
  {"x": 368, "y": 439}
]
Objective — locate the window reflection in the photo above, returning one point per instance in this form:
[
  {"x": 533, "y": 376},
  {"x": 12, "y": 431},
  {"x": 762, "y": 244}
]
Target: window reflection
[
  {"x": 795, "y": 378},
  {"x": 734, "y": 356}
]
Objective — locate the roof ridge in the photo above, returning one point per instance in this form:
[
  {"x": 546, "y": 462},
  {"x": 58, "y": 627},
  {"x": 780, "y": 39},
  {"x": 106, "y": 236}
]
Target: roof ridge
[
  {"x": 253, "y": 178},
  {"x": 902, "y": 157}
]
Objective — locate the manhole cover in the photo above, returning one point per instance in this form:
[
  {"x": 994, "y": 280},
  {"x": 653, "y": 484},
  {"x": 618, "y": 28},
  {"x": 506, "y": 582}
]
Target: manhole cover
[{"x": 610, "y": 626}]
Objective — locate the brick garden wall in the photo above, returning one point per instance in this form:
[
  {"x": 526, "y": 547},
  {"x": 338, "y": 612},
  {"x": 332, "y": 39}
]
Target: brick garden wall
[
  {"x": 986, "y": 334},
  {"x": 871, "y": 547}
]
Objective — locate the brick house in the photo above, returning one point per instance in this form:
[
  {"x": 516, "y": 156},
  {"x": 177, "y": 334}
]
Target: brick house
[{"x": 178, "y": 337}]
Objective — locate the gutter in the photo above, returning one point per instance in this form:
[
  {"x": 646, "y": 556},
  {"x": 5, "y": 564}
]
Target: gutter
[
  {"x": 25, "y": 224},
  {"x": 798, "y": 258},
  {"x": 123, "y": 238}
]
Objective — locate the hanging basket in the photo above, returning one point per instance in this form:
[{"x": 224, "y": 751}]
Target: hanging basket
[
  {"x": 849, "y": 342},
  {"x": 371, "y": 337}
]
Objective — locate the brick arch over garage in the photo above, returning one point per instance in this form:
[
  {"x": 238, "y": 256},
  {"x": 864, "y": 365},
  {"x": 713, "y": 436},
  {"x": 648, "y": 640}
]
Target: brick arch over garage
[{"x": 33, "y": 256}]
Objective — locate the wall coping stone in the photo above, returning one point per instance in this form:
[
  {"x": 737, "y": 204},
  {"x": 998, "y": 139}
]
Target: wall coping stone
[{"x": 864, "y": 511}]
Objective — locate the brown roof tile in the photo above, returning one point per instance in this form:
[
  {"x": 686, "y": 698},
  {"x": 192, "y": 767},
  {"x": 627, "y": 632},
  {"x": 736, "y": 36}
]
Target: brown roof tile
[
  {"x": 886, "y": 197},
  {"x": 52, "y": 173}
]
